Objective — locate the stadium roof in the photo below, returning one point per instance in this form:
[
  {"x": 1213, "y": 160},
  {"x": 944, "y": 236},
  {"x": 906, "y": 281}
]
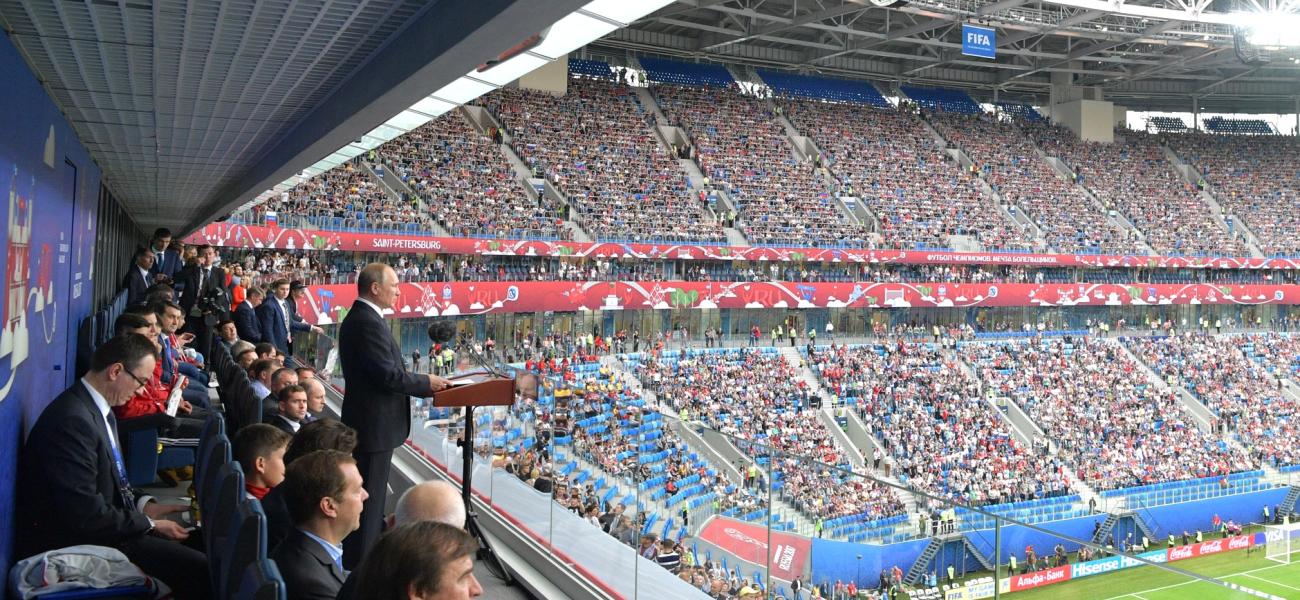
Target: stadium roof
[{"x": 1144, "y": 54}]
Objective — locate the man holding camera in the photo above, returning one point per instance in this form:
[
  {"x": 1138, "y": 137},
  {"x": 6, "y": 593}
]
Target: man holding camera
[{"x": 202, "y": 297}]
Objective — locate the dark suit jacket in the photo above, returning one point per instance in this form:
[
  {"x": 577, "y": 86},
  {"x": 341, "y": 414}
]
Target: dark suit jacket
[
  {"x": 69, "y": 493},
  {"x": 377, "y": 400},
  {"x": 278, "y": 522},
  {"x": 271, "y": 320},
  {"x": 309, "y": 572},
  {"x": 187, "y": 282},
  {"x": 135, "y": 284},
  {"x": 246, "y": 323},
  {"x": 273, "y": 418},
  {"x": 170, "y": 265}
]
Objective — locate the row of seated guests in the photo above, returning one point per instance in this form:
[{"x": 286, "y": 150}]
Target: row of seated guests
[
  {"x": 467, "y": 183},
  {"x": 1245, "y": 397},
  {"x": 1133, "y": 177},
  {"x": 894, "y": 165},
  {"x": 595, "y": 144},
  {"x": 743, "y": 148},
  {"x": 1112, "y": 427},
  {"x": 75, "y": 492},
  {"x": 931, "y": 416},
  {"x": 1006, "y": 157},
  {"x": 349, "y": 193},
  {"x": 759, "y": 399},
  {"x": 1254, "y": 178}
]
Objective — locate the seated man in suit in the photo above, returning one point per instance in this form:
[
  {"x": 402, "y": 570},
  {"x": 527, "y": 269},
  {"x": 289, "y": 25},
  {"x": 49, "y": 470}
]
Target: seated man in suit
[
  {"x": 259, "y": 375},
  {"x": 137, "y": 280},
  {"x": 291, "y": 408},
  {"x": 280, "y": 378},
  {"x": 245, "y": 316},
  {"x": 324, "y": 493},
  {"x": 227, "y": 334},
  {"x": 326, "y": 434},
  {"x": 315, "y": 397},
  {"x": 259, "y": 449},
  {"x": 244, "y": 356},
  {"x": 74, "y": 488}
]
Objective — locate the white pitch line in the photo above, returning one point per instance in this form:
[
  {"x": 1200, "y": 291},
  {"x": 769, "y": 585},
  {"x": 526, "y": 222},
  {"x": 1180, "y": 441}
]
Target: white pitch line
[
  {"x": 1167, "y": 587},
  {"x": 1271, "y": 582}
]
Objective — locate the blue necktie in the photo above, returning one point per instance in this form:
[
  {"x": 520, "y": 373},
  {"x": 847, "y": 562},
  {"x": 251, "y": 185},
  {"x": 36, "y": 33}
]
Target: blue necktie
[{"x": 168, "y": 365}]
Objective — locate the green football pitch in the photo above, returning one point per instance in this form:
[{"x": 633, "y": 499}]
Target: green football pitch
[{"x": 1251, "y": 571}]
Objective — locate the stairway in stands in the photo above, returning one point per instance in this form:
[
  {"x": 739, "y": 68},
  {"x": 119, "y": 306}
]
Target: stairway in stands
[
  {"x": 1287, "y": 505},
  {"x": 1107, "y": 526},
  {"x": 922, "y": 565}
]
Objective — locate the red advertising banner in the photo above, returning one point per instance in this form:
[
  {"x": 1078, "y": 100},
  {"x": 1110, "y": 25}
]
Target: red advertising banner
[
  {"x": 328, "y": 303},
  {"x": 1239, "y": 542},
  {"x": 749, "y": 542},
  {"x": 257, "y": 236},
  {"x": 1040, "y": 578}
]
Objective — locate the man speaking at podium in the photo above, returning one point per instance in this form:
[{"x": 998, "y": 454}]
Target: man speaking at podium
[{"x": 376, "y": 400}]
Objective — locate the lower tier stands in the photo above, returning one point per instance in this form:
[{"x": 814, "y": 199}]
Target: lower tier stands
[
  {"x": 1112, "y": 427},
  {"x": 1224, "y": 374},
  {"x": 929, "y": 414}
]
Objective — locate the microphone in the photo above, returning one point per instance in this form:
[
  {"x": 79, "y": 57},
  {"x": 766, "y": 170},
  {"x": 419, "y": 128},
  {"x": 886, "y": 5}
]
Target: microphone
[{"x": 442, "y": 331}]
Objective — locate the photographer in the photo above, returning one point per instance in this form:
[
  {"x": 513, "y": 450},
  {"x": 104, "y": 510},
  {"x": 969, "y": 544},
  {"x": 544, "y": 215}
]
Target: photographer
[{"x": 203, "y": 297}]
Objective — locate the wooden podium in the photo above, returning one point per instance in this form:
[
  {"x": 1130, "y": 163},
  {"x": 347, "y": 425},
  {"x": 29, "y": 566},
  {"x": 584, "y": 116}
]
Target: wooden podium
[
  {"x": 468, "y": 391},
  {"x": 476, "y": 389}
]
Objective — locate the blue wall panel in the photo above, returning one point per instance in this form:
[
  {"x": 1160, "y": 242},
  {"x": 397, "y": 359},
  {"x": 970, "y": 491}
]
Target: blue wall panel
[
  {"x": 1016, "y": 537},
  {"x": 1191, "y": 516},
  {"x": 50, "y": 199}
]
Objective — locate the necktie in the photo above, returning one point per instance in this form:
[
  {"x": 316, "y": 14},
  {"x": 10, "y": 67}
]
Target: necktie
[{"x": 123, "y": 484}]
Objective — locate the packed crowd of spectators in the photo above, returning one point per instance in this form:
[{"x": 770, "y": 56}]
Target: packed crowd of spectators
[
  {"x": 931, "y": 416},
  {"x": 758, "y": 399},
  {"x": 743, "y": 149},
  {"x": 467, "y": 183},
  {"x": 1254, "y": 178},
  {"x": 894, "y": 165},
  {"x": 1246, "y": 398},
  {"x": 595, "y": 144},
  {"x": 1111, "y": 426},
  {"x": 1004, "y": 155},
  {"x": 348, "y": 194},
  {"x": 1132, "y": 177}
]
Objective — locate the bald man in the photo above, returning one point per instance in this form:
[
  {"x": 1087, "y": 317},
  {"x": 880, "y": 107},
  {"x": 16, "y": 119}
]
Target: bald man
[
  {"x": 315, "y": 398},
  {"x": 429, "y": 501},
  {"x": 376, "y": 402}
]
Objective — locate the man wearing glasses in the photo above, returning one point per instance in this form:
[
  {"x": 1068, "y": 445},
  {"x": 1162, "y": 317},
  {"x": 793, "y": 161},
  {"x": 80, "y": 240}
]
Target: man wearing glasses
[{"x": 75, "y": 489}]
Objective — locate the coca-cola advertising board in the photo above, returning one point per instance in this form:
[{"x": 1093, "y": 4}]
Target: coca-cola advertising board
[
  {"x": 1240, "y": 542},
  {"x": 749, "y": 542}
]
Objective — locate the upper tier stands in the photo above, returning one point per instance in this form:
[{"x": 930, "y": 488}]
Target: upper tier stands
[
  {"x": 929, "y": 414},
  {"x": 661, "y": 70},
  {"x": 1069, "y": 220},
  {"x": 343, "y": 198},
  {"x": 1253, "y": 177},
  {"x": 1111, "y": 426},
  {"x": 1222, "y": 372},
  {"x": 943, "y": 100},
  {"x": 1024, "y": 112},
  {"x": 1238, "y": 126},
  {"x": 590, "y": 68},
  {"x": 889, "y": 160},
  {"x": 467, "y": 183},
  {"x": 595, "y": 144},
  {"x": 1167, "y": 124},
  {"x": 741, "y": 146},
  {"x": 756, "y": 396},
  {"x": 1133, "y": 176},
  {"x": 791, "y": 85}
]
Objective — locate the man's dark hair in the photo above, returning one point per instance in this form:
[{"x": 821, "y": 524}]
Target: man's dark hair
[
  {"x": 200, "y": 249},
  {"x": 142, "y": 251},
  {"x": 264, "y": 348},
  {"x": 321, "y": 434},
  {"x": 412, "y": 557},
  {"x": 257, "y": 440},
  {"x": 260, "y": 366},
  {"x": 308, "y": 370},
  {"x": 281, "y": 372},
  {"x": 159, "y": 307},
  {"x": 144, "y": 310},
  {"x": 158, "y": 287},
  {"x": 255, "y": 291},
  {"x": 224, "y": 322},
  {"x": 241, "y": 353},
  {"x": 162, "y": 232},
  {"x": 279, "y": 282},
  {"x": 286, "y": 391},
  {"x": 128, "y": 323},
  {"x": 126, "y": 349},
  {"x": 314, "y": 476}
]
